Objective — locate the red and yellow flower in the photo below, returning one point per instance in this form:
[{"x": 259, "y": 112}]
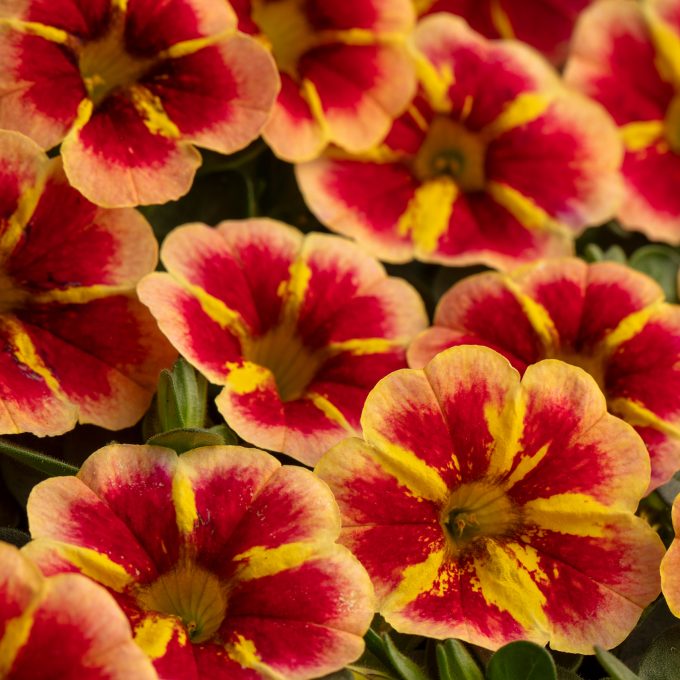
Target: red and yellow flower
[
  {"x": 224, "y": 561},
  {"x": 297, "y": 328},
  {"x": 491, "y": 510},
  {"x": 544, "y": 24},
  {"x": 64, "y": 626},
  {"x": 626, "y": 55},
  {"x": 494, "y": 161},
  {"x": 606, "y": 318},
  {"x": 345, "y": 70},
  {"x": 128, "y": 86},
  {"x": 75, "y": 343}
]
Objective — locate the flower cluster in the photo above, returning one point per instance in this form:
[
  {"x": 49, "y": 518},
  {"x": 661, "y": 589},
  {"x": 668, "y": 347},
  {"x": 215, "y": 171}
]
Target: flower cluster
[{"x": 506, "y": 473}]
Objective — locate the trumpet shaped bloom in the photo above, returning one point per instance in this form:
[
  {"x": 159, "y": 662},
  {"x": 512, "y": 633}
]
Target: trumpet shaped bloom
[
  {"x": 544, "y": 24},
  {"x": 345, "y": 70},
  {"x": 224, "y": 561},
  {"x": 494, "y": 161},
  {"x": 606, "y": 318},
  {"x": 296, "y": 328},
  {"x": 62, "y": 627},
  {"x": 75, "y": 343},
  {"x": 626, "y": 55},
  {"x": 491, "y": 510},
  {"x": 128, "y": 86}
]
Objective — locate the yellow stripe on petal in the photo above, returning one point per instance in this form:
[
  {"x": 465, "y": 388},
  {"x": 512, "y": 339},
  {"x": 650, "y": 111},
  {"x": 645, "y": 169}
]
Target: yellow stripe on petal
[
  {"x": 634, "y": 413},
  {"x": 154, "y": 635},
  {"x": 409, "y": 470},
  {"x": 629, "y": 327},
  {"x": 526, "y": 465},
  {"x": 244, "y": 652},
  {"x": 50, "y": 33},
  {"x": 248, "y": 377},
  {"x": 525, "y": 108},
  {"x": 293, "y": 291},
  {"x": 96, "y": 566},
  {"x": 363, "y": 346},
  {"x": 508, "y": 578},
  {"x": 416, "y": 580},
  {"x": 260, "y": 561},
  {"x": 311, "y": 96},
  {"x": 642, "y": 134},
  {"x": 17, "y": 632},
  {"x": 436, "y": 82},
  {"x": 150, "y": 108},
  {"x": 537, "y": 315},
  {"x": 524, "y": 209},
  {"x": 575, "y": 514},
  {"x": 501, "y": 20},
  {"x": 184, "y": 500},
  {"x": 330, "y": 411},
  {"x": 667, "y": 44},
  {"x": 506, "y": 427},
  {"x": 187, "y": 47},
  {"x": 78, "y": 295},
  {"x": 25, "y": 353},
  {"x": 428, "y": 213}
]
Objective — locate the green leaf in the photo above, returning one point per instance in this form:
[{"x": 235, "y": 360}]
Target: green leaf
[
  {"x": 661, "y": 263},
  {"x": 405, "y": 667},
  {"x": 185, "y": 439},
  {"x": 456, "y": 663},
  {"x": 52, "y": 467},
  {"x": 616, "y": 669},
  {"x": 662, "y": 661},
  {"x": 521, "y": 660},
  {"x": 593, "y": 253},
  {"x": 567, "y": 674},
  {"x": 181, "y": 399}
]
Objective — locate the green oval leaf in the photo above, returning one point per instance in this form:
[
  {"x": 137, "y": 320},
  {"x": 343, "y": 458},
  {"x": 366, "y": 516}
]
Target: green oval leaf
[
  {"x": 662, "y": 661},
  {"x": 617, "y": 670},
  {"x": 52, "y": 467},
  {"x": 405, "y": 667},
  {"x": 661, "y": 263},
  {"x": 185, "y": 439},
  {"x": 455, "y": 662},
  {"x": 521, "y": 660}
]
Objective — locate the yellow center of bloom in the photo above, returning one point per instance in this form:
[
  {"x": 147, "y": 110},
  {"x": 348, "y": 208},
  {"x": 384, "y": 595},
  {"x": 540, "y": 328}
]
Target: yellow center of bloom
[
  {"x": 286, "y": 31},
  {"x": 190, "y": 593},
  {"x": 282, "y": 351},
  {"x": 477, "y": 510},
  {"x": 105, "y": 65},
  {"x": 451, "y": 150},
  {"x": 672, "y": 124}
]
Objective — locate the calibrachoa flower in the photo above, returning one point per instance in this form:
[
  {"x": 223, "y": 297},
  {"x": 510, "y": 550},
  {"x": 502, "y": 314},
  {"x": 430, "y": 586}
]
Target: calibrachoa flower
[
  {"x": 544, "y": 24},
  {"x": 495, "y": 161},
  {"x": 62, "y": 627},
  {"x": 489, "y": 510},
  {"x": 75, "y": 343},
  {"x": 127, "y": 86},
  {"x": 224, "y": 561},
  {"x": 625, "y": 55},
  {"x": 297, "y": 328},
  {"x": 606, "y": 318},
  {"x": 344, "y": 66}
]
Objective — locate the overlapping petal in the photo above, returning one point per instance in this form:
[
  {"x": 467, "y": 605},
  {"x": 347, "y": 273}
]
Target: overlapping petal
[
  {"x": 224, "y": 561},
  {"x": 513, "y": 520},
  {"x": 494, "y": 161},
  {"x": 346, "y": 71},
  {"x": 670, "y": 566},
  {"x": 67, "y": 620},
  {"x": 127, "y": 88},
  {"x": 77, "y": 344},
  {"x": 296, "y": 328},
  {"x": 625, "y": 56},
  {"x": 606, "y": 318},
  {"x": 544, "y": 24}
]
